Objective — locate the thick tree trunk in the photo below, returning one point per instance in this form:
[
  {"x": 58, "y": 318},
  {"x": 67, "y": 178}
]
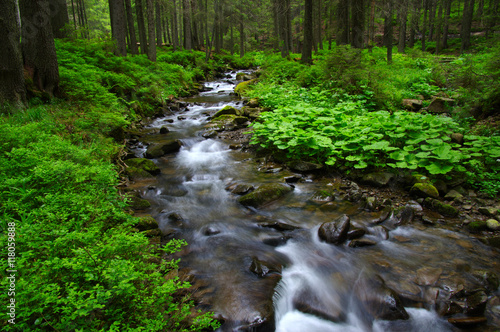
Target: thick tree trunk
[
  {"x": 175, "y": 27},
  {"x": 403, "y": 17},
  {"x": 150, "y": 9},
  {"x": 308, "y": 32},
  {"x": 372, "y": 26},
  {"x": 343, "y": 22},
  {"x": 358, "y": 23},
  {"x": 446, "y": 24},
  {"x": 319, "y": 26},
  {"x": 432, "y": 19},
  {"x": 59, "y": 18},
  {"x": 467, "y": 25},
  {"x": 424, "y": 25},
  {"x": 131, "y": 28},
  {"x": 242, "y": 37},
  {"x": 38, "y": 48},
  {"x": 194, "y": 25},
  {"x": 12, "y": 90},
  {"x": 140, "y": 25},
  {"x": 439, "y": 27},
  {"x": 388, "y": 29},
  {"x": 187, "y": 25},
  {"x": 119, "y": 26},
  {"x": 159, "y": 33},
  {"x": 74, "y": 13},
  {"x": 415, "y": 16}
]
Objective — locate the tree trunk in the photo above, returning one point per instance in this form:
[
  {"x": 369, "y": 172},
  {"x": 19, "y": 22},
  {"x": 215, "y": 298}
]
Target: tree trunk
[
  {"x": 59, "y": 18},
  {"x": 159, "y": 37},
  {"x": 432, "y": 19},
  {"x": 12, "y": 90},
  {"x": 74, "y": 14},
  {"x": 424, "y": 25},
  {"x": 119, "y": 26},
  {"x": 319, "y": 38},
  {"x": 308, "y": 32},
  {"x": 175, "y": 27},
  {"x": 343, "y": 22},
  {"x": 446, "y": 24},
  {"x": 242, "y": 37},
  {"x": 151, "y": 30},
  {"x": 403, "y": 17},
  {"x": 439, "y": 25},
  {"x": 140, "y": 25},
  {"x": 372, "y": 26},
  {"x": 194, "y": 25},
  {"x": 38, "y": 48},
  {"x": 188, "y": 38},
  {"x": 358, "y": 23},
  {"x": 131, "y": 28},
  {"x": 388, "y": 33},
  {"x": 467, "y": 25},
  {"x": 415, "y": 16}
]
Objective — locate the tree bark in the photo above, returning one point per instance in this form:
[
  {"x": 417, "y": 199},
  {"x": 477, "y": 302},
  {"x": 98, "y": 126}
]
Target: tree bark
[
  {"x": 242, "y": 37},
  {"x": 131, "y": 28},
  {"x": 432, "y": 19},
  {"x": 439, "y": 27},
  {"x": 372, "y": 26},
  {"x": 343, "y": 22},
  {"x": 159, "y": 33},
  {"x": 319, "y": 37},
  {"x": 38, "y": 48},
  {"x": 388, "y": 30},
  {"x": 151, "y": 30},
  {"x": 403, "y": 17},
  {"x": 358, "y": 23},
  {"x": 12, "y": 89},
  {"x": 139, "y": 9},
  {"x": 59, "y": 18},
  {"x": 424, "y": 25},
  {"x": 308, "y": 32},
  {"x": 467, "y": 25},
  {"x": 187, "y": 25},
  {"x": 119, "y": 26},
  {"x": 175, "y": 27},
  {"x": 446, "y": 24}
]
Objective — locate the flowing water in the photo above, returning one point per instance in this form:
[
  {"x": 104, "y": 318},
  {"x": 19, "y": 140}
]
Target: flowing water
[{"x": 307, "y": 284}]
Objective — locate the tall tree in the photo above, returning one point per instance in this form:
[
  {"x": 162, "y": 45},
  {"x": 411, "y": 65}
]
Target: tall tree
[
  {"x": 358, "y": 23},
  {"x": 131, "y": 28},
  {"x": 118, "y": 26},
  {"x": 403, "y": 17},
  {"x": 466, "y": 24},
  {"x": 150, "y": 9},
  {"x": 175, "y": 29},
  {"x": 388, "y": 29},
  {"x": 12, "y": 90},
  {"x": 38, "y": 48},
  {"x": 446, "y": 24},
  {"x": 59, "y": 18},
  {"x": 139, "y": 10},
  {"x": 308, "y": 32},
  {"x": 439, "y": 27},
  {"x": 186, "y": 15},
  {"x": 424, "y": 29},
  {"x": 343, "y": 22},
  {"x": 159, "y": 40}
]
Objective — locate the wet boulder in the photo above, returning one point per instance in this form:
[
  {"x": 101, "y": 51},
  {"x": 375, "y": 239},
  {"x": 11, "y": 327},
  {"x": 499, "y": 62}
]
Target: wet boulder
[
  {"x": 227, "y": 122},
  {"x": 262, "y": 268},
  {"x": 493, "y": 225},
  {"x": 424, "y": 190},
  {"x": 303, "y": 166},
  {"x": 141, "y": 168},
  {"x": 146, "y": 223},
  {"x": 157, "y": 150},
  {"x": 265, "y": 194},
  {"x": 378, "y": 179},
  {"x": 242, "y": 189},
  {"x": 440, "y": 207},
  {"x": 377, "y": 299},
  {"x": 227, "y": 110},
  {"x": 335, "y": 232},
  {"x": 361, "y": 243},
  {"x": 241, "y": 87}
]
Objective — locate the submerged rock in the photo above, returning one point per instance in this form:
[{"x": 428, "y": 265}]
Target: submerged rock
[
  {"x": 157, "y": 150},
  {"x": 335, "y": 232},
  {"x": 141, "y": 168},
  {"x": 265, "y": 194},
  {"x": 380, "y": 301}
]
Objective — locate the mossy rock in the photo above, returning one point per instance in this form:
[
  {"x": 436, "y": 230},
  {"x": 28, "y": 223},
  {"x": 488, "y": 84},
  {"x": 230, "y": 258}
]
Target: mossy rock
[
  {"x": 493, "y": 225},
  {"x": 378, "y": 179},
  {"x": 440, "y": 207},
  {"x": 228, "y": 110},
  {"x": 146, "y": 223},
  {"x": 477, "y": 226},
  {"x": 251, "y": 112},
  {"x": 227, "y": 122},
  {"x": 141, "y": 167},
  {"x": 241, "y": 87},
  {"x": 157, "y": 150},
  {"x": 419, "y": 178},
  {"x": 424, "y": 190},
  {"x": 137, "y": 203},
  {"x": 265, "y": 194}
]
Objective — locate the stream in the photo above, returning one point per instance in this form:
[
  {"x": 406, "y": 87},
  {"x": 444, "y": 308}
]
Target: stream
[{"x": 266, "y": 269}]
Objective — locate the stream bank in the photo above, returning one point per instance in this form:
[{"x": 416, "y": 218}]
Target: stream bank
[{"x": 328, "y": 253}]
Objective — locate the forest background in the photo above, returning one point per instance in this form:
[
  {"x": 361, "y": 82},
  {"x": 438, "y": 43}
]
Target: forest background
[{"x": 77, "y": 75}]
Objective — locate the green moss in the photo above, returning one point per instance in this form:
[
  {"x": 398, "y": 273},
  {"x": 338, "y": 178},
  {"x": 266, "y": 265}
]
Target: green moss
[
  {"x": 424, "y": 189},
  {"x": 265, "y": 194},
  {"x": 477, "y": 226},
  {"x": 243, "y": 86}
]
